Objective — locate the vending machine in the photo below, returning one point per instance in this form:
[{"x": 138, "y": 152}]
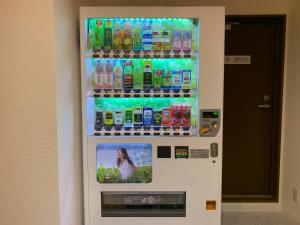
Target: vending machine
[{"x": 152, "y": 105}]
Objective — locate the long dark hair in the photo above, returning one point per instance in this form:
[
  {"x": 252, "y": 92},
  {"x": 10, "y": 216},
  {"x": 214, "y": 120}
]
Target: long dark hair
[{"x": 126, "y": 156}]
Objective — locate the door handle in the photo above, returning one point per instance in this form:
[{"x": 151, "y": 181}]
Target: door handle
[{"x": 264, "y": 106}]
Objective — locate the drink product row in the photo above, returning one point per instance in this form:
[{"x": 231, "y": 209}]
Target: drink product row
[
  {"x": 140, "y": 75},
  {"x": 177, "y": 116},
  {"x": 138, "y": 35}
]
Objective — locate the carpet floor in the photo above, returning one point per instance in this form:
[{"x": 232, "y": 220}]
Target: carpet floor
[{"x": 255, "y": 218}]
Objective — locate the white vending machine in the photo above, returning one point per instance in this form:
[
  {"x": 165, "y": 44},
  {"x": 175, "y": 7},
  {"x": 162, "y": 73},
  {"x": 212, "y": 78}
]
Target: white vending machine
[{"x": 152, "y": 105}]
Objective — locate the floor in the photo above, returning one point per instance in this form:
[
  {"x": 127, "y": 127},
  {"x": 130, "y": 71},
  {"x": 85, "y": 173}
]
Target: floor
[{"x": 255, "y": 218}]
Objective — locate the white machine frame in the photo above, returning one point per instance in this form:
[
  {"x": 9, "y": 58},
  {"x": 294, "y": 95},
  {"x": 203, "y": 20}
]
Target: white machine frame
[{"x": 200, "y": 178}]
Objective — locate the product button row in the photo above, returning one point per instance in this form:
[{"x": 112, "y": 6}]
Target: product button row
[
  {"x": 141, "y": 54},
  {"x": 98, "y": 93},
  {"x": 143, "y": 132}
]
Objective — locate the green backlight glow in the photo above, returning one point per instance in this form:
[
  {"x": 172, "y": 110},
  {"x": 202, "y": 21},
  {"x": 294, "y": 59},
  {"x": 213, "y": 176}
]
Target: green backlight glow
[
  {"x": 155, "y": 103},
  {"x": 154, "y": 24},
  {"x": 171, "y": 64}
]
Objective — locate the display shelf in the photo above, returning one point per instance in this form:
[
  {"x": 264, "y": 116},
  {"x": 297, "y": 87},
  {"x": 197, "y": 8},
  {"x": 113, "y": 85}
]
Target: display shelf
[
  {"x": 97, "y": 93},
  {"x": 163, "y": 131},
  {"x": 113, "y": 54}
]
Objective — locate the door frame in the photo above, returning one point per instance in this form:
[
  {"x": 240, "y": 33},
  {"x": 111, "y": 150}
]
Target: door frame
[{"x": 277, "y": 103}]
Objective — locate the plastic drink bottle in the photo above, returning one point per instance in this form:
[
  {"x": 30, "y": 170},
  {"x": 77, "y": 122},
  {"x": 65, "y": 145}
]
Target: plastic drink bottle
[
  {"x": 157, "y": 79},
  {"x": 128, "y": 75},
  {"x": 176, "y": 80},
  {"x": 107, "y": 45},
  {"x": 108, "y": 80},
  {"x": 137, "y": 75},
  {"x": 156, "y": 44},
  {"x": 127, "y": 36},
  {"x": 187, "y": 40},
  {"x": 166, "y": 80},
  {"x": 186, "y": 79},
  {"x": 91, "y": 34},
  {"x": 177, "y": 39},
  {"x": 98, "y": 120},
  {"x": 147, "y": 75},
  {"x": 137, "y": 37},
  {"x": 147, "y": 35},
  {"x": 99, "y": 74},
  {"x": 118, "y": 75},
  {"x": 117, "y": 36},
  {"x": 98, "y": 38},
  {"x": 166, "y": 35},
  {"x": 148, "y": 117}
]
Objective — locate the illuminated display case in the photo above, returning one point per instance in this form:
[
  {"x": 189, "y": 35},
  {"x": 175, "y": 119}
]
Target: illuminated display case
[{"x": 142, "y": 76}]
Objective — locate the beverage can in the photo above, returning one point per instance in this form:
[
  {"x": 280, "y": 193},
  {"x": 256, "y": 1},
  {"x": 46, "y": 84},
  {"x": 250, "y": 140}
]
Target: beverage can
[
  {"x": 176, "y": 115},
  {"x": 118, "y": 119},
  {"x": 137, "y": 75},
  {"x": 128, "y": 118},
  {"x": 118, "y": 75},
  {"x": 166, "y": 117},
  {"x": 176, "y": 79},
  {"x": 157, "y": 79},
  {"x": 98, "y": 120},
  {"x": 107, "y": 42},
  {"x": 128, "y": 74},
  {"x": 187, "y": 40},
  {"x": 177, "y": 39},
  {"x": 157, "y": 117},
  {"x": 138, "y": 116},
  {"x": 166, "y": 79},
  {"x": 108, "y": 81},
  {"x": 186, "y": 116},
  {"x": 108, "y": 118},
  {"x": 186, "y": 79},
  {"x": 148, "y": 116},
  {"x": 99, "y": 74}
]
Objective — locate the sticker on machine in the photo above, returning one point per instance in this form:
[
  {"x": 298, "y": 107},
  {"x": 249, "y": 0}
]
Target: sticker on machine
[{"x": 199, "y": 153}]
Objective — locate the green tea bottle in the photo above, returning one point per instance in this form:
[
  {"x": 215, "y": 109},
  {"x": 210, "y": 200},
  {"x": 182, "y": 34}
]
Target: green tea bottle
[
  {"x": 107, "y": 39},
  {"x": 98, "y": 35},
  {"x": 91, "y": 34},
  {"x": 137, "y": 75}
]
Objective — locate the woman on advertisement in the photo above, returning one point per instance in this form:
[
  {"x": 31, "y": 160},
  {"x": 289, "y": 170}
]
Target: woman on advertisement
[{"x": 125, "y": 164}]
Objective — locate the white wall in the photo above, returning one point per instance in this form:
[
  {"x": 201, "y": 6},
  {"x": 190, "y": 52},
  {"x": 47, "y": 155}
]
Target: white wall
[
  {"x": 40, "y": 151},
  {"x": 68, "y": 105},
  {"x": 40, "y": 165},
  {"x": 291, "y": 159},
  {"x": 28, "y": 151},
  {"x": 232, "y": 6}
]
